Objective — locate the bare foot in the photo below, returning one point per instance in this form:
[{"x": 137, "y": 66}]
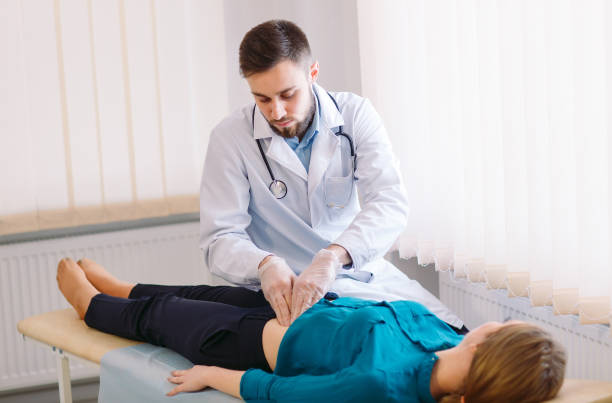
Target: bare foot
[
  {"x": 103, "y": 280},
  {"x": 74, "y": 285}
]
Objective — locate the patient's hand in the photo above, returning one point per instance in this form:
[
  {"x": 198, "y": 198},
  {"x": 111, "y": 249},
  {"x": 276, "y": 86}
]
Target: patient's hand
[
  {"x": 189, "y": 380},
  {"x": 202, "y": 376}
]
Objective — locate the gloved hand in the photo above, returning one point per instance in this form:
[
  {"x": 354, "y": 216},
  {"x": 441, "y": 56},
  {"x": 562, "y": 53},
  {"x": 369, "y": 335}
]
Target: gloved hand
[
  {"x": 312, "y": 284},
  {"x": 277, "y": 280}
]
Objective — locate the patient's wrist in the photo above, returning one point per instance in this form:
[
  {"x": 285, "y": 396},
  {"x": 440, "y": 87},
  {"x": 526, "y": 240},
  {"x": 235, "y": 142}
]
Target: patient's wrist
[{"x": 224, "y": 380}]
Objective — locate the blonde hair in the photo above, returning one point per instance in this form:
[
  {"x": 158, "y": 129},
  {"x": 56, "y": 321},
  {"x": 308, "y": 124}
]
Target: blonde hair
[{"x": 517, "y": 363}]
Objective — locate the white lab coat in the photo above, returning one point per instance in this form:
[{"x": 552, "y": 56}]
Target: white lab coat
[{"x": 241, "y": 222}]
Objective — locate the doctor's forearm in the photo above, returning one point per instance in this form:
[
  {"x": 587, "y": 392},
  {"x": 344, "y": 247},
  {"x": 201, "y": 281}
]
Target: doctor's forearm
[
  {"x": 374, "y": 229},
  {"x": 233, "y": 258},
  {"x": 343, "y": 256},
  {"x": 264, "y": 261}
]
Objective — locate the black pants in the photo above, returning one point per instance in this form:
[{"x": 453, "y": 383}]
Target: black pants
[{"x": 209, "y": 325}]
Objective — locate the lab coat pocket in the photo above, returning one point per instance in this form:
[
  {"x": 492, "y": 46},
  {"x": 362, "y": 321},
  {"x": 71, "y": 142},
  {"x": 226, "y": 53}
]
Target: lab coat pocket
[{"x": 338, "y": 190}]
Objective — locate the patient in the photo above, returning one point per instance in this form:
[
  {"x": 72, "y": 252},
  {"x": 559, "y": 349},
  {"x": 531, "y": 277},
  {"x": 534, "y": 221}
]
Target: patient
[{"x": 342, "y": 350}]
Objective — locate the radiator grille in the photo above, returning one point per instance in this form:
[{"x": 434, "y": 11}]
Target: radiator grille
[
  {"x": 165, "y": 254},
  {"x": 588, "y": 346}
]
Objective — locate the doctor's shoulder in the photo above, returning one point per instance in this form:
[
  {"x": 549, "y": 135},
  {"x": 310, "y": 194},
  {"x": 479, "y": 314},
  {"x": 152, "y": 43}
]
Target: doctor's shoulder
[
  {"x": 358, "y": 112},
  {"x": 235, "y": 126},
  {"x": 352, "y": 104}
]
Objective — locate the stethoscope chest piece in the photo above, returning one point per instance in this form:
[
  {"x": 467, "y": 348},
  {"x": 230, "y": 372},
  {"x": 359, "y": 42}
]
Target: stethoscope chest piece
[{"x": 278, "y": 189}]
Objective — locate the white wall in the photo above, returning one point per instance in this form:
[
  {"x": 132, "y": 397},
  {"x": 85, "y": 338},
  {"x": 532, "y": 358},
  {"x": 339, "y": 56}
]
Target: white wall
[{"x": 331, "y": 28}]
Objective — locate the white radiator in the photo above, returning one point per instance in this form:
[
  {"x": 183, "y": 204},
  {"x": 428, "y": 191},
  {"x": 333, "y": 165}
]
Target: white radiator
[
  {"x": 588, "y": 346},
  {"x": 164, "y": 254}
]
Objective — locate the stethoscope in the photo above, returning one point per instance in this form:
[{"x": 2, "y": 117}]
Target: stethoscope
[{"x": 277, "y": 187}]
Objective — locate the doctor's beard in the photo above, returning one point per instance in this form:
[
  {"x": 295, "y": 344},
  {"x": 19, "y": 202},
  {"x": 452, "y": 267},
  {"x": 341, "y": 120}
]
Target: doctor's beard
[{"x": 299, "y": 128}]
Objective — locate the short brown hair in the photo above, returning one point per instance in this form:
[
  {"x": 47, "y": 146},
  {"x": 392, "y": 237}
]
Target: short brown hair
[
  {"x": 517, "y": 363},
  {"x": 271, "y": 42}
]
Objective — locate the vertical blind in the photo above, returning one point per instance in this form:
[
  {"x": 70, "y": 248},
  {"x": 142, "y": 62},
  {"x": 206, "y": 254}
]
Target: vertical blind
[
  {"x": 105, "y": 108},
  {"x": 499, "y": 111}
]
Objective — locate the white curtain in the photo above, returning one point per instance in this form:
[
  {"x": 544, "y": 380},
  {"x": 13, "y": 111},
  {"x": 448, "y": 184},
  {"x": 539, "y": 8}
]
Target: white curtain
[
  {"x": 499, "y": 111},
  {"x": 105, "y": 108}
]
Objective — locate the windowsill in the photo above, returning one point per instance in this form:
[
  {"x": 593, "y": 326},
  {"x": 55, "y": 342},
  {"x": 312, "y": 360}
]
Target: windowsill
[{"x": 98, "y": 228}]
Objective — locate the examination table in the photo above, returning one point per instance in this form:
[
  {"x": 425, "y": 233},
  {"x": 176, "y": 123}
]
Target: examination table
[{"x": 64, "y": 333}]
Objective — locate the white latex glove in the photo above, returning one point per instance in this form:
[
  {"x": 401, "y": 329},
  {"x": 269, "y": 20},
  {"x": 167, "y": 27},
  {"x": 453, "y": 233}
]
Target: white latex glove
[
  {"x": 277, "y": 279},
  {"x": 312, "y": 284}
]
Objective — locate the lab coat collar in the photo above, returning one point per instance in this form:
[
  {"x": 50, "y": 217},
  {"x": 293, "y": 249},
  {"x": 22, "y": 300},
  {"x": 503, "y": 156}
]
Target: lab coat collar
[
  {"x": 262, "y": 129},
  {"x": 323, "y": 148},
  {"x": 280, "y": 152},
  {"x": 330, "y": 117},
  {"x": 277, "y": 149}
]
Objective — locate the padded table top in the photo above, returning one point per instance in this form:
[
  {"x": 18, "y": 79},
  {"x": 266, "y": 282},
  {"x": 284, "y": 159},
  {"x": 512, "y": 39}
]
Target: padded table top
[
  {"x": 63, "y": 329},
  {"x": 584, "y": 390}
]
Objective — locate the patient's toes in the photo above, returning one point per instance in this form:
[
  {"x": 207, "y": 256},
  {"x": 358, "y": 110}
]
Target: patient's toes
[
  {"x": 84, "y": 262},
  {"x": 57, "y": 273},
  {"x": 90, "y": 267},
  {"x": 61, "y": 268},
  {"x": 67, "y": 267}
]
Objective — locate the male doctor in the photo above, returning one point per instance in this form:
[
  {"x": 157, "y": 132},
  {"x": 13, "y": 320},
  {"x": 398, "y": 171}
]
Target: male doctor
[{"x": 300, "y": 192}]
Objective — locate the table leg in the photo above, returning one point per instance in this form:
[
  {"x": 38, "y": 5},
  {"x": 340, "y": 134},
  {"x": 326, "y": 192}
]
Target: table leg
[{"x": 63, "y": 378}]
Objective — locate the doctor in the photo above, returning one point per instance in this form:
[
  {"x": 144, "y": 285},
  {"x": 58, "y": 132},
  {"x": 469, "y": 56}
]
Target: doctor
[{"x": 300, "y": 192}]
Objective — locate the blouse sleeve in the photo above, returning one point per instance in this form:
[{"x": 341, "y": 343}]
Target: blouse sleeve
[{"x": 346, "y": 385}]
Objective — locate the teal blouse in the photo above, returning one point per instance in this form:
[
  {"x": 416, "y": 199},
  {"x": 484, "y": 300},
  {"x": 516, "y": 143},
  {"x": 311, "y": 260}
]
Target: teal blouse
[{"x": 354, "y": 350}]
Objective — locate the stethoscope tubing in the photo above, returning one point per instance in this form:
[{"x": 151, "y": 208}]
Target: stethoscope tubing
[
  {"x": 264, "y": 155},
  {"x": 282, "y": 185}
]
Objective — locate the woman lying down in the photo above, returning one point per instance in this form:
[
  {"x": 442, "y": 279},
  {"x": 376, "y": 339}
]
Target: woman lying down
[{"x": 348, "y": 349}]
